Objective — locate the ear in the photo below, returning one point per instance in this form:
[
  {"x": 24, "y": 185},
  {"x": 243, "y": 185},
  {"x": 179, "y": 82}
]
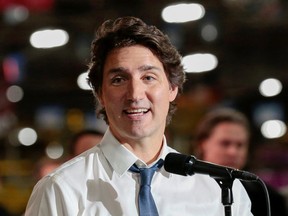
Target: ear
[
  {"x": 100, "y": 98},
  {"x": 173, "y": 91}
]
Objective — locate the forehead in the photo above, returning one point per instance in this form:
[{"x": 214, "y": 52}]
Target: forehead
[
  {"x": 230, "y": 129},
  {"x": 124, "y": 56}
]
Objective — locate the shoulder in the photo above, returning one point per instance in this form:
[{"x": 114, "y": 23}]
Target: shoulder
[{"x": 76, "y": 168}]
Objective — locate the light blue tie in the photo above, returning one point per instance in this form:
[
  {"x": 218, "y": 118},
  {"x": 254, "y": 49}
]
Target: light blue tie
[{"x": 146, "y": 202}]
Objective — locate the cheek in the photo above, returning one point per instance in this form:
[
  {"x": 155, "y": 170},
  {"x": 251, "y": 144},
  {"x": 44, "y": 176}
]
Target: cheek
[
  {"x": 109, "y": 97},
  {"x": 211, "y": 147},
  {"x": 111, "y": 102},
  {"x": 165, "y": 93},
  {"x": 162, "y": 99},
  {"x": 244, "y": 153},
  {"x": 207, "y": 147}
]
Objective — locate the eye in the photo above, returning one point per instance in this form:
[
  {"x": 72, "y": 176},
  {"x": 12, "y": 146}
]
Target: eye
[
  {"x": 117, "y": 80},
  {"x": 149, "y": 78},
  {"x": 225, "y": 143},
  {"x": 240, "y": 145}
]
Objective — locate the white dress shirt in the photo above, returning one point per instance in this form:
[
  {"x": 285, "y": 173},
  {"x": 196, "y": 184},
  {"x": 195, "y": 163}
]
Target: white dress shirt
[{"x": 98, "y": 182}]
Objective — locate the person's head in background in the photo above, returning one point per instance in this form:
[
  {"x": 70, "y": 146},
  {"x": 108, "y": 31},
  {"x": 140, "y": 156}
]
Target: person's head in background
[
  {"x": 84, "y": 140},
  {"x": 223, "y": 138}
]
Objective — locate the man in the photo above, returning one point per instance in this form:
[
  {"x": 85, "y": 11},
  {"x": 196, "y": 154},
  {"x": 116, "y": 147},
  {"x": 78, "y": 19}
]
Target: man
[
  {"x": 223, "y": 138},
  {"x": 136, "y": 74}
]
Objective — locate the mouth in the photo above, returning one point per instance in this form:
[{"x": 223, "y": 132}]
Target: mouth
[{"x": 136, "y": 112}]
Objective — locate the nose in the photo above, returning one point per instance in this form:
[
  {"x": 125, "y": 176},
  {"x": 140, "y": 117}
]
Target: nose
[
  {"x": 233, "y": 150},
  {"x": 136, "y": 90}
]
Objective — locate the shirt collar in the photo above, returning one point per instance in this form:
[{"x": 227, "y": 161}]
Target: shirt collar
[{"x": 120, "y": 158}]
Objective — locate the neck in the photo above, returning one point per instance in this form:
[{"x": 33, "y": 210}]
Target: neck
[{"x": 146, "y": 151}]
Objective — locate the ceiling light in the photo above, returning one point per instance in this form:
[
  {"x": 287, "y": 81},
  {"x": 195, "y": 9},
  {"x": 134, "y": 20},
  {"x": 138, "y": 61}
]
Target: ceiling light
[
  {"x": 270, "y": 87},
  {"x": 49, "y": 38},
  {"x": 14, "y": 93},
  {"x": 180, "y": 13},
  {"x": 27, "y": 136},
  {"x": 54, "y": 150},
  {"x": 82, "y": 81},
  {"x": 197, "y": 63},
  {"x": 209, "y": 32},
  {"x": 15, "y": 14},
  {"x": 273, "y": 129}
]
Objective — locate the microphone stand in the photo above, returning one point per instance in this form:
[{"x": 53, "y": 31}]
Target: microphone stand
[{"x": 227, "y": 195}]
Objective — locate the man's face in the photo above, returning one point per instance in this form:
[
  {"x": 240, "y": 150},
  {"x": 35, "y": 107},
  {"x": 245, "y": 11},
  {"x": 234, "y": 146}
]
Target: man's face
[
  {"x": 136, "y": 94},
  {"x": 227, "y": 145}
]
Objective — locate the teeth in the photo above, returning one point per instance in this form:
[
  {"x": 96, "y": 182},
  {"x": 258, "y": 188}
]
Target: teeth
[{"x": 136, "y": 110}]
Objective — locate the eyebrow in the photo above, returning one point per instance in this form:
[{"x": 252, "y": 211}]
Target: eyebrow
[
  {"x": 148, "y": 67},
  {"x": 141, "y": 68},
  {"x": 117, "y": 70}
]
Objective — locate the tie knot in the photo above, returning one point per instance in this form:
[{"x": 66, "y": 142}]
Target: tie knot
[{"x": 147, "y": 173}]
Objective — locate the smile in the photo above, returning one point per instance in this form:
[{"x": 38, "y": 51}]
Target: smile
[{"x": 139, "y": 111}]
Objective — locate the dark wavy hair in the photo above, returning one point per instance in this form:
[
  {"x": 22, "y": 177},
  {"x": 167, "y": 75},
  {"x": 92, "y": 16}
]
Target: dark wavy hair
[{"x": 129, "y": 31}]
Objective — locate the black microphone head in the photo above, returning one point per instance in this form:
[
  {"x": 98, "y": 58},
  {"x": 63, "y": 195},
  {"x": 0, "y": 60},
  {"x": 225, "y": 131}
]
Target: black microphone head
[
  {"x": 176, "y": 163},
  {"x": 244, "y": 175}
]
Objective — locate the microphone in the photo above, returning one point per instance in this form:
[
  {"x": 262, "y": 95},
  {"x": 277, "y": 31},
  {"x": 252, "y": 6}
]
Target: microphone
[{"x": 188, "y": 165}]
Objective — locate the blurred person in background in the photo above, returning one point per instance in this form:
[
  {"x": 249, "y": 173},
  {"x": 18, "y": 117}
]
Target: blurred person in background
[
  {"x": 223, "y": 137},
  {"x": 84, "y": 140}
]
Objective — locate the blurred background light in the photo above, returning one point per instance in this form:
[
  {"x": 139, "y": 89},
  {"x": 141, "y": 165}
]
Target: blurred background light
[
  {"x": 209, "y": 32},
  {"x": 13, "y": 67},
  {"x": 54, "y": 150},
  {"x": 270, "y": 87},
  {"x": 273, "y": 129},
  {"x": 14, "y": 93},
  {"x": 50, "y": 117},
  {"x": 82, "y": 81},
  {"x": 7, "y": 121},
  {"x": 75, "y": 119},
  {"x": 180, "y": 13},
  {"x": 27, "y": 136},
  {"x": 49, "y": 38},
  {"x": 197, "y": 63},
  {"x": 15, "y": 14},
  {"x": 264, "y": 111}
]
